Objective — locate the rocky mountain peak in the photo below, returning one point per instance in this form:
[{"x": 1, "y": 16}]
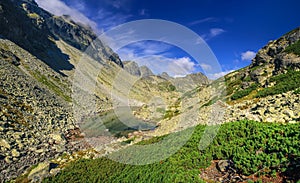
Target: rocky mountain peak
[
  {"x": 132, "y": 68},
  {"x": 165, "y": 75},
  {"x": 145, "y": 71}
]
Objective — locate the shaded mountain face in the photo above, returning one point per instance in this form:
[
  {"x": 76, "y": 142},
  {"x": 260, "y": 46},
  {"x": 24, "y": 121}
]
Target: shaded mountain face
[{"x": 35, "y": 30}]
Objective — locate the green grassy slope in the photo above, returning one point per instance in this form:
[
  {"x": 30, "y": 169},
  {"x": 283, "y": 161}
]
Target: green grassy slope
[{"x": 253, "y": 147}]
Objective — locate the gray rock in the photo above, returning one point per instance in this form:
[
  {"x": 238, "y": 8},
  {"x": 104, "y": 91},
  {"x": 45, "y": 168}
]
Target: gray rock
[
  {"x": 145, "y": 71},
  {"x": 223, "y": 165}
]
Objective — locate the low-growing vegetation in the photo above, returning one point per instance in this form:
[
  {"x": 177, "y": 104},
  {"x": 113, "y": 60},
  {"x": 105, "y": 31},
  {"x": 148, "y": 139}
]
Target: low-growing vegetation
[
  {"x": 254, "y": 147},
  {"x": 297, "y": 91},
  {"x": 294, "y": 48},
  {"x": 242, "y": 93},
  {"x": 283, "y": 83}
]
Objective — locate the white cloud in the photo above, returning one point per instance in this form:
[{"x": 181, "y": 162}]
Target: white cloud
[
  {"x": 219, "y": 74},
  {"x": 206, "y": 66},
  {"x": 157, "y": 57},
  {"x": 181, "y": 66},
  {"x": 59, "y": 8},
  {"x": 213, "y": 33},
  {"x": 175, "y": 67},
  {"x": 248, "y": 55}
]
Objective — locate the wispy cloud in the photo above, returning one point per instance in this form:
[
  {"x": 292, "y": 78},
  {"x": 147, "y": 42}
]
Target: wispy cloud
[
  {"x": 208, "y": 19},
  {"x": 248, "y": 55},
  {"x": 78, "y": 11},
  {"x": 143, "y": 12},
  {"x": 59, "y": 8},
  {"x": 144, "y": 48},
  {"x": 205, "y": 66},
  {"x": 213, "y": 33},
  {"x": 219, "y": 74},
  {"x": 109, "y": 19},
  {"x": 216, "y": 31},
  {"x": 117, "y": 4},
  {"x": 124, "y": 5},
  {"x": 157, "y": 57}
]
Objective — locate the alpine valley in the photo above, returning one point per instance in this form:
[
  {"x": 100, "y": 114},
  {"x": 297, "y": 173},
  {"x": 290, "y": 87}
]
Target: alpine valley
[{"x": 256, "y": 109}]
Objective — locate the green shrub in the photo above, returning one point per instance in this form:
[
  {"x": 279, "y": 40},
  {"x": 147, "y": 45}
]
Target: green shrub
[
  {"x": 284, "y": 83},
  {"x": 297, "y": 91},
  {"x": 245, "y": 92},
  {"x": 254, "y": 147},
  {"x": 294, "y": 48}
]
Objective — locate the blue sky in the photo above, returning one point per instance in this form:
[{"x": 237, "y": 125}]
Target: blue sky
[{"x": 235, "y": 30}]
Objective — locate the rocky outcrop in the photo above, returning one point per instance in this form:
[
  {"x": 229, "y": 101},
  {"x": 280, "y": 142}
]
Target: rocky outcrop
[{"x": 270, "y": 61}]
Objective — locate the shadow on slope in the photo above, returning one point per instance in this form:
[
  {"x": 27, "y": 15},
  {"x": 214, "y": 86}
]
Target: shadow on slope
[{"x": 16, "y": 26}]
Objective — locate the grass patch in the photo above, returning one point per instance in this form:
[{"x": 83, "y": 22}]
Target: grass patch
[
  {"x": 210, "y": 102},
  {"x": 166, "y": 86},
  {"x": 294, "y": 48},
  {"x": 53, "y": 87},
  {"x": 232, "y": 86}
]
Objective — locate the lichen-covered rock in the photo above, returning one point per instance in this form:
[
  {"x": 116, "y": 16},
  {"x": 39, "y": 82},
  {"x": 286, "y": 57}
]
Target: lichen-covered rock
[{"x": 40, "y": 172}]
